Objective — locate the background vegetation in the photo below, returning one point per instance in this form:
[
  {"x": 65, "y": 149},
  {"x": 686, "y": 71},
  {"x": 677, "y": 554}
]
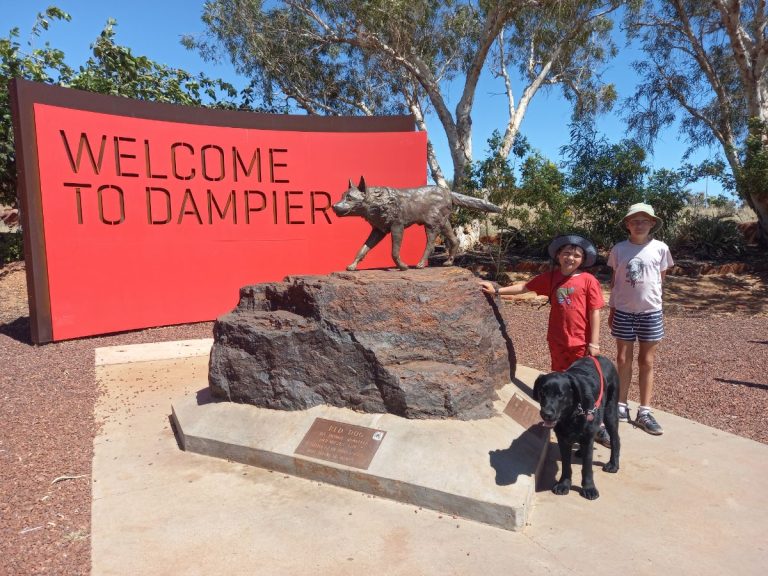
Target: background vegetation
[
  {"x": 587, "y": 191},
  {"x": 590, "y": 195}
]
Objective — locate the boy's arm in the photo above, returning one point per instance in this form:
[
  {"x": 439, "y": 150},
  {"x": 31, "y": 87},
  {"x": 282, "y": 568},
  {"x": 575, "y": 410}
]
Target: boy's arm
[
  {"x": 593, "y": 347},
  {"x": 519, "y": 288}
]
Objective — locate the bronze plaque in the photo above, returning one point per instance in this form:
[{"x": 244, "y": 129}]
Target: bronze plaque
[
  {"x": 341, "y": 443},
  {"x": 522, "y": 411}
]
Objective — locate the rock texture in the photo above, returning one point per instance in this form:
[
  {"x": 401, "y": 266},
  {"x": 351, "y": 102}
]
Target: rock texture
[{"x": 417, "y": 343}]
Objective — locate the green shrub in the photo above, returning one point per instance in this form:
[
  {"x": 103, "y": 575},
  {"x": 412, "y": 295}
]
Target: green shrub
[
  {"x": 11, "y": 247},
  {"x": 706, "y": 237}
]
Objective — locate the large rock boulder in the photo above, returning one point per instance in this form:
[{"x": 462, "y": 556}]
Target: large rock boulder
[{"x": 417, "y": 343}]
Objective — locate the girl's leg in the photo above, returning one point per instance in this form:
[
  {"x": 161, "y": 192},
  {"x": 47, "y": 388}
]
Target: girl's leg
[
  {"x": 645, "y": 359},
  {"x": 625, "y": 350}
]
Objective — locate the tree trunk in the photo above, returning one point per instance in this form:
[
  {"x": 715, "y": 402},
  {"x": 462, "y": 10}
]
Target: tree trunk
[
  {"x": 752, "y": 176},
  {"x": 759, "y": 203},
  {"x": 468, "y": 235},
  {"x": 749, "y": 50},
  {"x": 757, "y": 194}
]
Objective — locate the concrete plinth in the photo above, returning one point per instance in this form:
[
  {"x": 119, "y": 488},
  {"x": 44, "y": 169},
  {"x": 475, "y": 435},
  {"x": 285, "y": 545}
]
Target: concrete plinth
[{"x": 483, "y": 470}]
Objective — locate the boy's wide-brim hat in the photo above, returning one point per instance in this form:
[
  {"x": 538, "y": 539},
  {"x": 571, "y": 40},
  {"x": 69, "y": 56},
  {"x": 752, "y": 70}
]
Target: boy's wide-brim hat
[
  {"x": 643, "y": 208},
  {"x": 590, "y": 253}
]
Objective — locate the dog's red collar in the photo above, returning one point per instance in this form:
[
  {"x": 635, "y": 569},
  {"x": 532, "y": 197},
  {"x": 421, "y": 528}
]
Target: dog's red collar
[{"x": 591, "y": 412}]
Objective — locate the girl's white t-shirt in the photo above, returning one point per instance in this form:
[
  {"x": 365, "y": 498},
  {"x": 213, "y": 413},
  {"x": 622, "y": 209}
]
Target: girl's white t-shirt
[{"x": 637, "y": 272}]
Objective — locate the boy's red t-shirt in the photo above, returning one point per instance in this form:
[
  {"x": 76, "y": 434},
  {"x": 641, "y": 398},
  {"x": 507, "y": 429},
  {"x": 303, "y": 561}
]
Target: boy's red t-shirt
[{"x": 571, "y": 300}]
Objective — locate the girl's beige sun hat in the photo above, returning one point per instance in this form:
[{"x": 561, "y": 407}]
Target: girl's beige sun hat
[{"x": 642, "y": 208}]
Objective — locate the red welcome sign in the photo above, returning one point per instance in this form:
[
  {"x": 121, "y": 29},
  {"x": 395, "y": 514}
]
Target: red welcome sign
[{"x": 146, "y": 222}]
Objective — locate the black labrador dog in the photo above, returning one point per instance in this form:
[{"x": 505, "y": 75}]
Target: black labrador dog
[{"x": 573, "y": 403}]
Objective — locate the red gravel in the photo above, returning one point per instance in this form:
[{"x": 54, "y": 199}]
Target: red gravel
[
  {"x": 713, "y": 370},
  {"x": 710, "y": 369}
]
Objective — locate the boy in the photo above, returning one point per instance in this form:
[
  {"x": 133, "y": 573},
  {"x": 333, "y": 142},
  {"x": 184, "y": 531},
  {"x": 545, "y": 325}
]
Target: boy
[{"x": 576, "y": 299}]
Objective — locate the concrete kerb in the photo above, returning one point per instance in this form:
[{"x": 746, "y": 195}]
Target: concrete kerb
[
  {"x": 465, "y": 468},
  {"x": 152, "y": 351}
]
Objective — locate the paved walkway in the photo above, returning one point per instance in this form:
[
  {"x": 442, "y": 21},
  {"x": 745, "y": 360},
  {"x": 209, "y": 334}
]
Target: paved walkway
[{"x": 689, "y": 502}]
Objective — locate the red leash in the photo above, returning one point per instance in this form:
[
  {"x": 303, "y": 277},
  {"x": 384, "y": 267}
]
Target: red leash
[{"x": 591, "y": 413}]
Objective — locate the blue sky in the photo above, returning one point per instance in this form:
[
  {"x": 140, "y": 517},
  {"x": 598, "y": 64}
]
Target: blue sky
[{"x": 154, "y": 29}]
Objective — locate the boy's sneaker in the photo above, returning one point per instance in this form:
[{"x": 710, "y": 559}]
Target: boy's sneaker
[
  {"x": 623, "y": 413},
  {"x": 647, "y": 422},
  {"x": 602, "y": 437}
]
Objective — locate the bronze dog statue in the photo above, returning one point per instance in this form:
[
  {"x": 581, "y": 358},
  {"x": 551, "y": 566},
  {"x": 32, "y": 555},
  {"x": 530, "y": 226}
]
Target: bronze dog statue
[{"x": 392, "y": 210}]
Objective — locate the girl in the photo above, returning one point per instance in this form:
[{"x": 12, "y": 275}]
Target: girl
[{"x": 639, "y": 267}]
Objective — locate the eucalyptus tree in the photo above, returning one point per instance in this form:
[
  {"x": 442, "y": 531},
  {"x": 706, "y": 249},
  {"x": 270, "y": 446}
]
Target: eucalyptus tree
[
  {"x": 114, "y": 69},
  {"x": 706, "y": 66},
  {"x": 368, "y": 57}
]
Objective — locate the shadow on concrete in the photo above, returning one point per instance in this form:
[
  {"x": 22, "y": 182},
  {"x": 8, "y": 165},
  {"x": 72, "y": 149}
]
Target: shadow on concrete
[
  {"x": 521, "y": 458},
  {"x": 176, "y": 432},
  {"x": 523, "y": 387},
  {"x": 203, "y": 396},
  {"x": 550, "y": 468},
  {"x": 547, "y": 476}
]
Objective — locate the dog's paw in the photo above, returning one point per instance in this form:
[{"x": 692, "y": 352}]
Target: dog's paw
[
  {"x": 421, "y": 265},
  {"x": 402, "y": 267},
  {"x": 610, "y": 467},
  {"x": 590, "y": 493},
  {"x": 352, "y": 267},
  {"x": 562, "y": 488},
  {"x": 448, "y": 262}
]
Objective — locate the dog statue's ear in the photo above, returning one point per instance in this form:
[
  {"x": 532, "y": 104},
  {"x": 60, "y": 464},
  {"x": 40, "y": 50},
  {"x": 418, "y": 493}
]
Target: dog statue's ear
[
  {"x": 361, "y": 186},
  {"x": 350, "y": 183}
]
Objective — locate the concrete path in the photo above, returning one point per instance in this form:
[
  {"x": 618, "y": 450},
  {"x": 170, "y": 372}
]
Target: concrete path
[{"x": 688, "y": 502}]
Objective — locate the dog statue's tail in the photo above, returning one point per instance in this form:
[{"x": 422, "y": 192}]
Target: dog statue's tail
[{"x": 472, "y": 202}]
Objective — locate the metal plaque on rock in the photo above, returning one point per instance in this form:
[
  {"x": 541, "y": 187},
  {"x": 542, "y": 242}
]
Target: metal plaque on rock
[
  {"x": 522, "y": 411},
  {"x": 341, "y": 443}
]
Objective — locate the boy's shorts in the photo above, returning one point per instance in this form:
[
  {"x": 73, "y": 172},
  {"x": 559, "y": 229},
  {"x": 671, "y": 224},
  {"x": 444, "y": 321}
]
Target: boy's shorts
[
  {"x": 644, "y": 327},
  {"x": 562, "y": 357}
]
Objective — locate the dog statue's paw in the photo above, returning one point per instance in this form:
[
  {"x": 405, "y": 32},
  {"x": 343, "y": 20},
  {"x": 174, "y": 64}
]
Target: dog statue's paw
[
  {"x": 352, "y": 267},
  {"x": 448, "y": 262},
  {"x": 562, "y": 488},
  {"x": 611, "y": 467},
  {"x": 421, "y": 265},
  {"x": 402, "y": 266},
  {"x": 590, "y": 493}
]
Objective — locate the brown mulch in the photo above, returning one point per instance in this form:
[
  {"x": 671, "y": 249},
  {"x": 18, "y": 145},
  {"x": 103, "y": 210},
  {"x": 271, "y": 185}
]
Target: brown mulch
[{"x": 712, "y": 368}]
